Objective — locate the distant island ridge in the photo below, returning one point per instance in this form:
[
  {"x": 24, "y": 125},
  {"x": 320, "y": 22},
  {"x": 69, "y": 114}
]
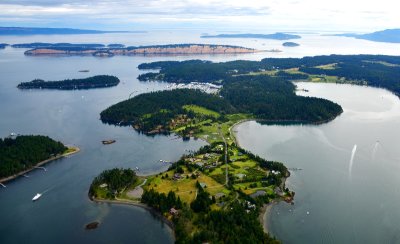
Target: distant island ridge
[
  {"x": 389, "y": 35},
  {"x": 3, "y": 45},
  {"x": 54, "y": 31},
  {"x": 275, "y": 36},
  {"x": 118, "y": 49}
]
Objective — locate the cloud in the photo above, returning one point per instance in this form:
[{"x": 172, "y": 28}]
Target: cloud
[{"x": 305, "y": 14}]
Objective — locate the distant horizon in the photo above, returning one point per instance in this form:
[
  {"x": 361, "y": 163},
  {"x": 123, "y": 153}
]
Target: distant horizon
[
  {"x": 208, "y": 15},
  {"x": 253, "y": 31}
]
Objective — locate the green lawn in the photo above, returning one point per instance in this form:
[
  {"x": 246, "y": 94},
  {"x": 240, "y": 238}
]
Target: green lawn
[{"x": 201, "y": 110}]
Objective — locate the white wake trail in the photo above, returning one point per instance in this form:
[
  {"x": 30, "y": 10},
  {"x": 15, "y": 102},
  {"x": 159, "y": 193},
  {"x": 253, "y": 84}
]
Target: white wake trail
[{"x": 353, "y": 153}]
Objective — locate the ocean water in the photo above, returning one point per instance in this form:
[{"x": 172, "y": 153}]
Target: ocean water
[{"x": 338, "y": 208}]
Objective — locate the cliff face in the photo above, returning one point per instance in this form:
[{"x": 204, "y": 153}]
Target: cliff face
[{"x": 178, "y": 49}]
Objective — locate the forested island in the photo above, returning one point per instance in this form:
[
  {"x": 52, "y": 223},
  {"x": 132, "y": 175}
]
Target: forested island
[
  {"x": 290, "y": 44},
  {"x": 20, "y": 154},
  {"x": 98, "y": 81},
  {"x": 275, "y": 36},
  {"x": 372, "y": 70},
  {"x": 3, "y": 45},
  {"x": 102, "y": 51}
]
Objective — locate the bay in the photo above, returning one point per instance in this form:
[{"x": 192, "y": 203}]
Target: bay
[{"x": 73, "y": 118}]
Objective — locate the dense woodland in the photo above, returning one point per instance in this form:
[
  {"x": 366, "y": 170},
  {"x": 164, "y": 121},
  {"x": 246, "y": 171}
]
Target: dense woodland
[
  {"x": 376, "y": 70},
  {"x": 265, "y": 97},
  {"x": 233, "y": 225},
  {"x": 158, "y": 108},
  {"x": 98, "y": 81},
  {"x": 273, "y": 98},
  {"x": 24, "y": 152}
]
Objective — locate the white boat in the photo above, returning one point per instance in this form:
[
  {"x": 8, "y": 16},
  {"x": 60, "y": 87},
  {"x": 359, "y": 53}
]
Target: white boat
[{"x": 36, "y": 197}]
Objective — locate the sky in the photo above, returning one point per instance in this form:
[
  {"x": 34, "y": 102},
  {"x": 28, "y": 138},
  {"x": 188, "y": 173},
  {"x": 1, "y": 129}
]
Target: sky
[{"x": 208, "y": 15}]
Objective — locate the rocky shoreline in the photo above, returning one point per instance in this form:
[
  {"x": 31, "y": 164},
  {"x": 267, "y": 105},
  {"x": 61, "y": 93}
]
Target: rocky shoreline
[{"x": 145, "y": 50}]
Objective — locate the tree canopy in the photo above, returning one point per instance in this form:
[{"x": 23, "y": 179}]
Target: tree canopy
[
  {"x": 23, "y": 152},
  {"x": 97, "y": 81}
]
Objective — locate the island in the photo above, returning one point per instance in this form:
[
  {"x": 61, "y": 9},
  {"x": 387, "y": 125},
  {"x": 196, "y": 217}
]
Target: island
[
  {"x": 389, "y": 35},
  {"x": 372, "y": 70},
  {"x": 220, "y": 192},
  {"x": 172, "y": 49},
  {"x": 3, "y": 45},
  {"x": 275, "y": 36},
  {"x": 98, "y": 81},
  {"x": 20, "y": 154},
  {"x": 290, "y": 44},
  {"x": 52, "y": 31}
]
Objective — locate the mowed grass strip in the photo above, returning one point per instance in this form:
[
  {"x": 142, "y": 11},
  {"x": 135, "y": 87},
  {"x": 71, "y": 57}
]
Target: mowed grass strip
[{"x": 201, "y": 111}]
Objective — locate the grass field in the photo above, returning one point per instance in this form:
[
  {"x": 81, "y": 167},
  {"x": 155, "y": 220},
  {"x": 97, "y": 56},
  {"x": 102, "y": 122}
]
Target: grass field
[
  {"x": 201, "y": 111},
  {"x": 185, "y": 188},
  {"x": 327, "y": 66}
]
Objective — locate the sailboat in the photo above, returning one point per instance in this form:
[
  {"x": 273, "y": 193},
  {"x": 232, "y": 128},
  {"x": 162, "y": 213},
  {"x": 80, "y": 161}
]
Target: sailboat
[{"x": 36, "y": 197}]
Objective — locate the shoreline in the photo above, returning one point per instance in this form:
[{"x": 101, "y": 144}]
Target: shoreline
[
  {"x": 12, "y": 177},
  {"x": 266, "y": 209},
  {"x": 169, "y": 223},
  {"x": 265, "y": 214}
]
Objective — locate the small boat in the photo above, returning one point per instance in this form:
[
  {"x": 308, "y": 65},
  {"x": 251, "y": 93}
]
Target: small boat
[
  {"x": 84, "y": 70},
  {"x": 36, "y": 197},
  {"x": 106, "y": 142}
]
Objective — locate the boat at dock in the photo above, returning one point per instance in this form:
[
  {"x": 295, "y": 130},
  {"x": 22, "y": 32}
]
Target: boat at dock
[
  {"x": 106, "y": 142},
  {"x": 36, "y": 197}
]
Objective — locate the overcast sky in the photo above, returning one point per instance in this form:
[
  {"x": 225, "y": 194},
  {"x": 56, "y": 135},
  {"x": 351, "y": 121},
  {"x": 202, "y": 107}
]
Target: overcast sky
[{"x": 295, "y": 15}]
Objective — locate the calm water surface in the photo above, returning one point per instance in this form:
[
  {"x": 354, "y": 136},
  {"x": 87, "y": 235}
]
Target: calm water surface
[
  {"x": 341, "y": 209},
  {"x": 336, "y": 202}
]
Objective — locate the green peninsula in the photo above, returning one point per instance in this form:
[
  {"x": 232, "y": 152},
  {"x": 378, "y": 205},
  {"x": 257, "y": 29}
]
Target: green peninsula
[
  {"x": 372, "y": 70},
  {"x": 218, "y": 193}
]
